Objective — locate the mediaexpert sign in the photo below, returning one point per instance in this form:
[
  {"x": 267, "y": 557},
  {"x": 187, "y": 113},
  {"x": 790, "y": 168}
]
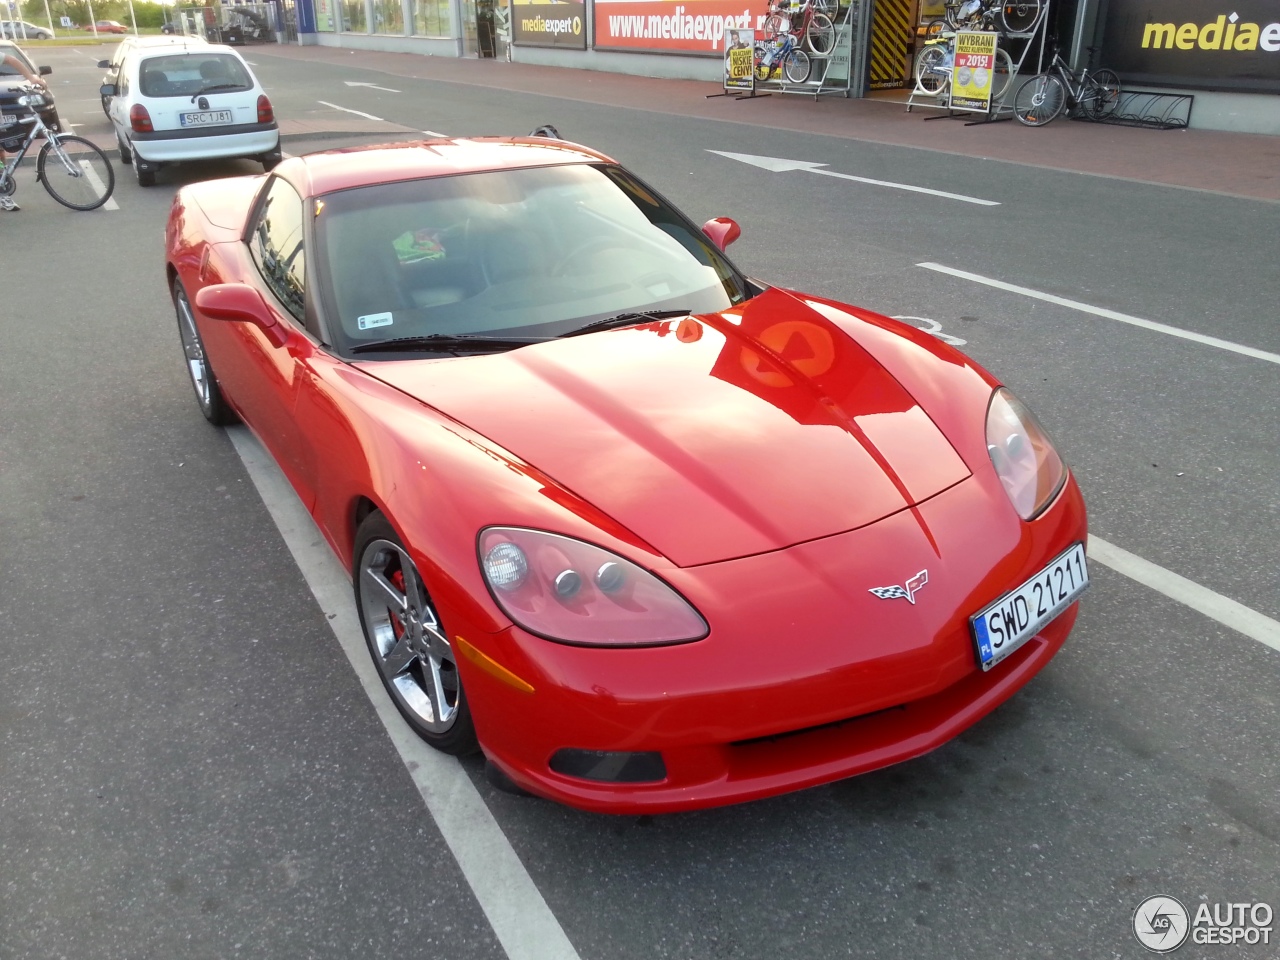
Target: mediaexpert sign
[
  {"x": 739, "y": 60},
  {"x": 673, "y": 26},
  {"x": 1210, "y": 44},
  {"x": 972, "y": 71},
  {"x": 549, "y": 23}
]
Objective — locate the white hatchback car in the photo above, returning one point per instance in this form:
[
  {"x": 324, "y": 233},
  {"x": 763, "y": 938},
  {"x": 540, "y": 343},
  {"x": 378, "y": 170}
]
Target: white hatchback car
[{"x": 189, "y": 102}]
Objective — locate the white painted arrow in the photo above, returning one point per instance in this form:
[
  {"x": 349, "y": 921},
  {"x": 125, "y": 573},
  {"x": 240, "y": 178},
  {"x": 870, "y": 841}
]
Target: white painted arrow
[
  {"x": 779, "y": 165},
  {"x": 371, "y": 86}
]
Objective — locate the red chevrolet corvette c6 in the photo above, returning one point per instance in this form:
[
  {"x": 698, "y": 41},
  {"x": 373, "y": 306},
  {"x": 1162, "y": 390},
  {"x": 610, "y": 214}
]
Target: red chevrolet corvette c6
[{"x": 652, "y": 535}]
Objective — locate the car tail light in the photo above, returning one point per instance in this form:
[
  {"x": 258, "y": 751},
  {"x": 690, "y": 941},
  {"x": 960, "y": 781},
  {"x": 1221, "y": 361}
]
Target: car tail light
[
  {"x": 139, "y": 119},
  {"x": 574, "y": 592},
  {"x": 1026, "y": 462},
  {"x": 265, "y": 113}
]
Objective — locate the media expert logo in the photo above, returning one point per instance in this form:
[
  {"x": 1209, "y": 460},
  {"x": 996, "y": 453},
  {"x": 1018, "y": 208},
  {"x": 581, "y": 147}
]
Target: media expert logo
[
  {"x": 1224, "y": 33},
  {"x": 1162, "y": 924},
  {"x": 566, "y": 25}
]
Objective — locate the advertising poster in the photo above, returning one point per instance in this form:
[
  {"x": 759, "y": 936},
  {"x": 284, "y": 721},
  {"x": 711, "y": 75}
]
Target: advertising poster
[
  {"x": 324, "y": 16},
  {"x": 1194, "y": 43},
  {"x": 549, "y": 23},
  {"x": 674, "y": 26},
  {"x": 739, "y": 60},
  {"x": 973, "y": 71}
]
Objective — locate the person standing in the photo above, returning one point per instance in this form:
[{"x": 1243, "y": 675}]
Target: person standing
[{"x": 8, "y": 60}]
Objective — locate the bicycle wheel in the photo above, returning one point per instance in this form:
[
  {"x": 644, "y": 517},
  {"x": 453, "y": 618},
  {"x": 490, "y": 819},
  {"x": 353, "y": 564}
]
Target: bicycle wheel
[
  {"x": 934, "y": 29},
  {"x": 1039, "y": 100},
  {"x": 830, "y": 8},
  {"x": 75, "y": 172},
  {"x": 1002, "y": 76},
  {"x": 1020, "y": 16},
  {"x": 931, "y": 71},
  {"x": 775, "y": 25},
  {"x": 1102, "y": 92},
  {"x": 796, "y": 66},
  {"x": 820, "y": 35},
  {"x": 764, "y": 66}
]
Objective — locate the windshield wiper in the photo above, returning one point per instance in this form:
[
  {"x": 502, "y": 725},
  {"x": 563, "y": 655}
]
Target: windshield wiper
[
  {"x": 625, "y": 319},
  {"x": 447, "y": 342}
]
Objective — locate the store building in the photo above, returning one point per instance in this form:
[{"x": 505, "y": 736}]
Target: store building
[{"x": 1225, "y": 54}]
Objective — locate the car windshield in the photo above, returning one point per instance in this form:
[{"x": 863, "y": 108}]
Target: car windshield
[
  {"x": 187, "y": 74},
  {"x": 7, "y": 70},
  {"x": 527, "y": 253}
]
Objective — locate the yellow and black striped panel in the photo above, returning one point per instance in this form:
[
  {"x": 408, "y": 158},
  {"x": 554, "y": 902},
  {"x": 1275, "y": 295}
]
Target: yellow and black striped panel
[{"x": 890, "y": 33}]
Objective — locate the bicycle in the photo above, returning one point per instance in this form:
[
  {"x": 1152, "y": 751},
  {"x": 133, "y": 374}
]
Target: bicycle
[
  {"x": 816, "y": 27},
  {"x": 933, "y": 68},
  {"x": 782, "y": 52},
  {"x": 74, "y": 171},
  {"x": 1015, "y": 17},
  {"x": 1041, "y": 98}
]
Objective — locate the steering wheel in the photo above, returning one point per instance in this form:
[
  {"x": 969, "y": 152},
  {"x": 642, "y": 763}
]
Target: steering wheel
[{"x": 592, "y": 246}]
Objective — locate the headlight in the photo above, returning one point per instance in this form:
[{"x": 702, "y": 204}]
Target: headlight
[
  {"x": 567, "y": 590},
  {"x": 31, "y": 100},
  {"x": 1025, "y": 461}
]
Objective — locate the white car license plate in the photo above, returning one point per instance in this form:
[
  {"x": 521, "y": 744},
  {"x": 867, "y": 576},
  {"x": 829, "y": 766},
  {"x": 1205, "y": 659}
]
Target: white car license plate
[
  {"x": 1015, "y": 618},
  {"x": 206, "y": 118},
  {"x": 8, "y": 118}
]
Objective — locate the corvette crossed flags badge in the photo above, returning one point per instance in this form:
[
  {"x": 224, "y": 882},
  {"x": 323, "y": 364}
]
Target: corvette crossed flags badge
[{"x": 907, "y": 592}]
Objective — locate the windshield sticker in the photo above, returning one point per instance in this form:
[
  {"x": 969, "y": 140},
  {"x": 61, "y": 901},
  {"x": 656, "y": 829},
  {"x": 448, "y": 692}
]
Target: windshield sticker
[{"x": 371, "y": 320}]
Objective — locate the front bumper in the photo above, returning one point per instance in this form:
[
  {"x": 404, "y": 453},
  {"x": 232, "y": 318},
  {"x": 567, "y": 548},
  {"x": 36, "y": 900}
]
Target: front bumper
[{"x": 806, "y": 677}]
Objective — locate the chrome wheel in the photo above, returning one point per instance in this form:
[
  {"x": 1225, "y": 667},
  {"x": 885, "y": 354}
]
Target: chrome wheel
[
  {"x": 408, "y": 644},
  {"x": 205, "y": 384}
]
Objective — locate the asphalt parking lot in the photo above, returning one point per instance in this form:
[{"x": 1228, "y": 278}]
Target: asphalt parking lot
[{"x": 194, "y": 761}]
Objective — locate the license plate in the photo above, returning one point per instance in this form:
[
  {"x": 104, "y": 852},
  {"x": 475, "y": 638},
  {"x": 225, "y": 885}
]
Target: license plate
[
  {"x": 1019, "y": 615},
  {"x": 8, "y": 118},
  {"x": 205, "y": 118}
]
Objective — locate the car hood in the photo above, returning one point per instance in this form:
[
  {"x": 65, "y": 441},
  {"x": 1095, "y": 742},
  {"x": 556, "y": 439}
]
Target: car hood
[{"x": 711, "y": 437}]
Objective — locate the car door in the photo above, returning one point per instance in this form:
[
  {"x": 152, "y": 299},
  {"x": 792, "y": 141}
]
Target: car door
[{"x": 261, "y": 369}]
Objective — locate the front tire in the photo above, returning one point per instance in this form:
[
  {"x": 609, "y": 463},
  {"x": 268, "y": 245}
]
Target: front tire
[
  {"x": 1039, "y": 100},
  {"x": 208, "y": 393},
  {"x": 820, "y": 35},
  {"x": 76, "y": 173},
  {"x": 408, "y": 643},
  {"x": 796, "y": 66}
]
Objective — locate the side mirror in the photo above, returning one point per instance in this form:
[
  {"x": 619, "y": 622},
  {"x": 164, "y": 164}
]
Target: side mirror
[
  {"x": 104, "y": 64},
  {"x": 45, "y": 71},
  {"x": 722, "y": 231},
  {"x": 239, "y": 302},
  {"x": 107, "y": 90}
]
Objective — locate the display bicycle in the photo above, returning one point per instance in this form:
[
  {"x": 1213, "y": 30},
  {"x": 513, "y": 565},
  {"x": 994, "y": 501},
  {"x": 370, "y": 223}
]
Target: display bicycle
[
  {"x": 1041, "y": 98},
  {"x": 934, "y": 65},
  {"x": 73, "y": 170}
]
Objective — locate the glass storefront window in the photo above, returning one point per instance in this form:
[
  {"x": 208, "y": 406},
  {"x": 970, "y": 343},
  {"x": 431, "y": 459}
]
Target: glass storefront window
[
  {"x": 431, "y": 18},
  {"x": 388, "y": 17},
  {"x": 353, "y": 17}
]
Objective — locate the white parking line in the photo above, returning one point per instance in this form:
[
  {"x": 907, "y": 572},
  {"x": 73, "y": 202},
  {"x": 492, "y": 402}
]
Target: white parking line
[
  {"x": 93, "y": 178},
  {"x": 520, "y": 917},
  {"x": 1215, "y": 606},
  {"x": 1108, "y": 314},
  {"x": 358, "y": 113}
]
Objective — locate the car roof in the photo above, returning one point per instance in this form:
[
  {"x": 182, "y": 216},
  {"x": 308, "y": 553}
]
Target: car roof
[
  {"x": 202, "y": 48},
  {"x": 164, "y": 41},
  {"x": 344, "y": 168}
]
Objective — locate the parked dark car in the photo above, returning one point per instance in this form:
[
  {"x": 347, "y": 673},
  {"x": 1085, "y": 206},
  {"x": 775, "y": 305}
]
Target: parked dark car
[{"x": 11, "y": 83}]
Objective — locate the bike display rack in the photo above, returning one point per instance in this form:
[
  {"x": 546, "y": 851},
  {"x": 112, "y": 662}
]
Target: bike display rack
[
  {"x": 1142, "y": 108},
  {"x": 1033, "y": 38},
  {"x": 832, "y": 73}
]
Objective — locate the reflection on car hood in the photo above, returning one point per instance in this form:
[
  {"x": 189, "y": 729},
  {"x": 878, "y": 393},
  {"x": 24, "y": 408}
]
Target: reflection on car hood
[{"x": 712, "y": 437}]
